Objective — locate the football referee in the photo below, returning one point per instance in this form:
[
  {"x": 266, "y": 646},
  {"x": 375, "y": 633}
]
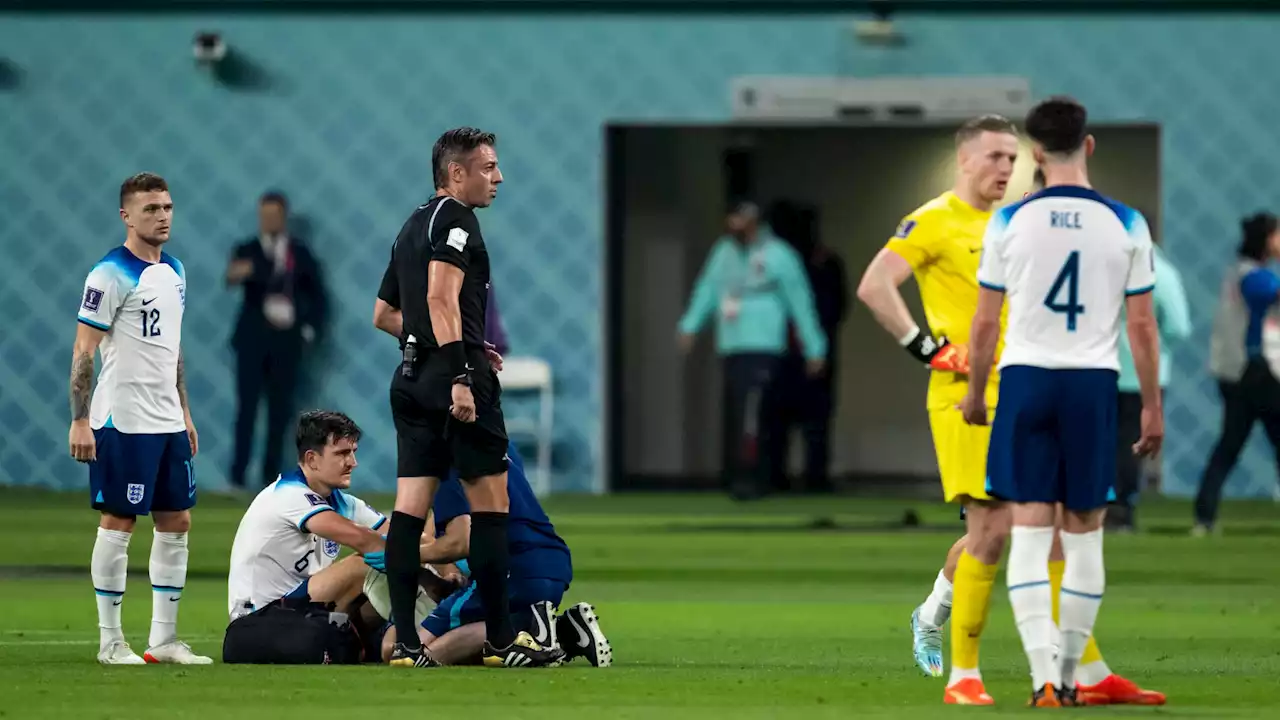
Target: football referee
[{"x": 445, "y": 397}]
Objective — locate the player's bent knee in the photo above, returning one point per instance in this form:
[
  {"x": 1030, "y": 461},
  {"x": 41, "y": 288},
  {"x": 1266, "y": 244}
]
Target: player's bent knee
[
  {"x": 339, "y": 583},
  {"x": 953, "y": 556},
  {"x": 388, "y": 643}
]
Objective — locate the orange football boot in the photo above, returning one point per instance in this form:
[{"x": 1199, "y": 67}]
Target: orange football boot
[
  {"x": 1115, "y": 690},
  {"x": 1045, "y": 697},
  {"x": 969, "y": 691}
]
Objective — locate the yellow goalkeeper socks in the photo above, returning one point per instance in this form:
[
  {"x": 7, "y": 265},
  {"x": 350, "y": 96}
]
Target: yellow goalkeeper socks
[
  {"x": 970, "y": 604},
  {"x": 1056, "y": 568}
]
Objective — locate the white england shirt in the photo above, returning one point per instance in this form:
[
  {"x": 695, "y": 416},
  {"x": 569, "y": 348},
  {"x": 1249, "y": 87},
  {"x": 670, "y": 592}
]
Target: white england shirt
[
  {"x": 140, "y": 306},
  {"x": 273, "y": 552},
  {"x": 1066, "y": 259}
]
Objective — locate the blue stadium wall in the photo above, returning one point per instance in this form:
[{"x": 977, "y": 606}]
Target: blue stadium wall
[{"x": 346, "y": 129}]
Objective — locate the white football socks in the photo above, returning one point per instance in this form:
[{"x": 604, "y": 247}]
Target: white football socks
[
  {"x": 168, "y": 576},
  {"x": 1031, "y": 598},
  {"x": 1092, "y": 673},
  {"x": 1083, "y": 582},
  {"x": 109, "y": 568},
  {"x": 936, "y": 609}
]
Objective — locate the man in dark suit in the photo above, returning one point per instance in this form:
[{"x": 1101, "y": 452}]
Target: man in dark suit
[
  {"x": 808, "y": 400},
  {"x": 283, "y": 314}
]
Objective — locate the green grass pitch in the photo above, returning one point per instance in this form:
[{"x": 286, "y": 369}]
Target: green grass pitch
[{"x": 794, "y": 608}]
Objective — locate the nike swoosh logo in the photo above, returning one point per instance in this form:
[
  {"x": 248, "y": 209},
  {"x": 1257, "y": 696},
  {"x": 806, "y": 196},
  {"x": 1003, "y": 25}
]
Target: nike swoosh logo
[
  {"x": 117, "y": 602},
  {"x": 975, "y": 250},
  {"x": 148, "y": 302},
  {"x": 542, "y": 635},
  {"x": 584, "y": 639},
  {"x": 175, "y": 599}
]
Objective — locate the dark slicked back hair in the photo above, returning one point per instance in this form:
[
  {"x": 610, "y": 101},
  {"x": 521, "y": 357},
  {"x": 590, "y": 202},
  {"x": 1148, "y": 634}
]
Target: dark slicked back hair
[
  {"x": 317, "y": 428},
  {"x": 275, "y": 197},
  {"x": 141, "y": 183},
  {"x": 455, "y": 145},
  {"x": 1256, "y": 233},
  {"x": 1059, "y": 124},
  {"x": 984, "y": 123}
]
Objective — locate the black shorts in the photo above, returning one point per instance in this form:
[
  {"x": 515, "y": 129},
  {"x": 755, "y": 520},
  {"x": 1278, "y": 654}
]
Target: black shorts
[{"x": 430, "y": 441}]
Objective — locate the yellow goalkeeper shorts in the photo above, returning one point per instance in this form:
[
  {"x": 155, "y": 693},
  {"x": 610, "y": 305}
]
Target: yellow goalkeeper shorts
[{"x": 962, "y": 455}]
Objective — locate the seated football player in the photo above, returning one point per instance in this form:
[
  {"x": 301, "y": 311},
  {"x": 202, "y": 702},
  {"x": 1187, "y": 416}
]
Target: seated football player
[
  {"x": 541, "y": 570},
  {"x": 285, "y": 551}
]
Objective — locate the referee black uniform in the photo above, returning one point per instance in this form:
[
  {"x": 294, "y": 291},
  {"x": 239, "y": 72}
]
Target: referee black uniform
[{"x": 429, "y": 439}]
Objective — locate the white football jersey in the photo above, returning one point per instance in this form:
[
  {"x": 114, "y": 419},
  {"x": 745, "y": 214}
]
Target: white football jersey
[
  {"x": 140, "y": 305},
  {"x": 1066, "y": 259},
  {"x": 273, "y": 552}
]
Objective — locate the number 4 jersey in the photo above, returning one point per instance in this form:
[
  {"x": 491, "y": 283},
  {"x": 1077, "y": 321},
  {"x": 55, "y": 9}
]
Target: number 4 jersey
[
  {"x": 139, "y": 305},
  {"x": 274, "y": 553},
  {"x": 1066, "y": 259}
]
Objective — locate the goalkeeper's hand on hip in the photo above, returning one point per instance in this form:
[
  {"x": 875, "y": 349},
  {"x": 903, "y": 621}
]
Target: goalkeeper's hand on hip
[{"x": 938, "y": 353}]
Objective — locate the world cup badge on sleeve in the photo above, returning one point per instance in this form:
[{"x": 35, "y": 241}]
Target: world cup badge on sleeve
[
  {"x": 182, "y": 294},
  {"x": 92, "y": 299}
]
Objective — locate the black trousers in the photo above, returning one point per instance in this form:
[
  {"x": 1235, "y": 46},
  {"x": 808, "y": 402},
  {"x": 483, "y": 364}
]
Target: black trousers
[
  {"x": 1123, "y": 512},
  {"x": 806, "y": 402},
  {"x": 747, "y": 442},
  {"x": 268, "y": 367},
  {"x": 1255, "y": 397}
]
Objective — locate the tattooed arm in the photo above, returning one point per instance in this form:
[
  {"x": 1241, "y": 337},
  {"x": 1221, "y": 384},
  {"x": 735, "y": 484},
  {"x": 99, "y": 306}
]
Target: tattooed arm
[
  {"x": 186, "y": 409},
  {"x": 182, "y": 385},
  {"x": 81, "y": 440}
]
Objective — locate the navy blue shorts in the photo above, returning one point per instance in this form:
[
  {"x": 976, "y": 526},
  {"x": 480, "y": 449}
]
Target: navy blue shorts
[
  {"x": 302, "y": 592},
  {"x": 137, "y": 473},
  {"x": 463, "y": 607},
  {"x": 1054, "y": 437}
]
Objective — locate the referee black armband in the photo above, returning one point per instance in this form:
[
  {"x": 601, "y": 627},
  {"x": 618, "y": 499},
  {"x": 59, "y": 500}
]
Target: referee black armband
[{"x": 456, "y": 357}]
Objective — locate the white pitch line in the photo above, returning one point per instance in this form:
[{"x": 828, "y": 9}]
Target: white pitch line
[
  {"x": 86, "y": 641},
  {"x": 24, "y": 643}
]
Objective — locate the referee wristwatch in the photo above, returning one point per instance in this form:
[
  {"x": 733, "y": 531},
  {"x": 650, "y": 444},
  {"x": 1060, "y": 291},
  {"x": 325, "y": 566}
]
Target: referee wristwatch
[{"x": 463, "y": 379}]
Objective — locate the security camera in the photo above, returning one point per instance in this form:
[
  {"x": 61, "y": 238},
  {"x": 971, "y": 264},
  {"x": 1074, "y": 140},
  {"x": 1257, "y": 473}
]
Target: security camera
[
  {"x": 879, "y": 30},
  {"x": 209, "y": 48}
]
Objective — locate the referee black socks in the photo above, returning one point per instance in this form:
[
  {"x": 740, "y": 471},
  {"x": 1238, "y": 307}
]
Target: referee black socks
[
  {"x": 403, "y": 564},
  {"x": 490, "y": 562}
]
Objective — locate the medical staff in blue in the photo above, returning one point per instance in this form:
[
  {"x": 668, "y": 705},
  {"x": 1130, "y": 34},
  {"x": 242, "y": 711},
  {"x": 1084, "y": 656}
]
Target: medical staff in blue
[{"x": 541, "y": 571}]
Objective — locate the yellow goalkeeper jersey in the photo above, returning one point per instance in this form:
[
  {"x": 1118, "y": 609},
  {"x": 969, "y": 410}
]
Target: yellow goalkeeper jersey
[{"x": 942, "y": 241}]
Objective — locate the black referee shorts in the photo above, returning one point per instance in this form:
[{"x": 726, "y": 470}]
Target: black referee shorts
[{"x": 430, "y": 441}]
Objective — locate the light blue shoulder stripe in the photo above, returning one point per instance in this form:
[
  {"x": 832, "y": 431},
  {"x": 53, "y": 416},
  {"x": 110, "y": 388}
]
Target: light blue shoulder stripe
[{"x": 174, "y": 263}]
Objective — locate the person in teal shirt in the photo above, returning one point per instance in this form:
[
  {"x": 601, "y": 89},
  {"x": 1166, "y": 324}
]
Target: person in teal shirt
[
  {"x": 753, "y": 283},
  {"x": 1174, "y": 319}
]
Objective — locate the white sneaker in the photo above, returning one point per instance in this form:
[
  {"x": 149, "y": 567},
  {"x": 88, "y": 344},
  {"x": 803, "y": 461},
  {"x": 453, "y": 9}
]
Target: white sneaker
[
  {"x": 175, "y": 652},
  {"x": 118, "y": 652},
  {"x": 1200, "y": 530}
]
